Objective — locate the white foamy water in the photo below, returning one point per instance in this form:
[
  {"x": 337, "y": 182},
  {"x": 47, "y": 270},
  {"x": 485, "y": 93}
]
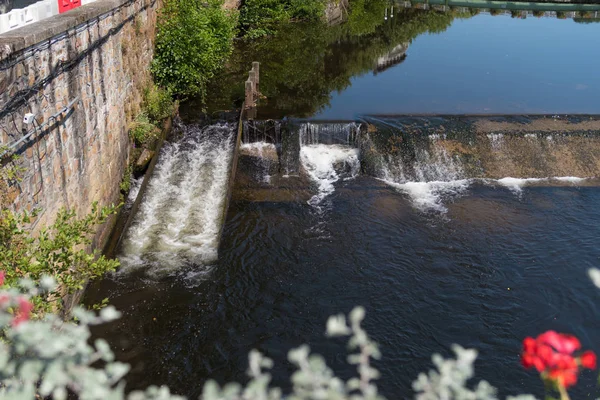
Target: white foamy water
[
  {"x": 570, "y": 179},
  {"x": 433, "y": 176},
  {"x": 517, "y": 184},
  {"x": 134, "y": 190},
  {"x": 179, "y": 219},
  {"x": 326, "y": 164},
  {"x": 429, "y": 196}
]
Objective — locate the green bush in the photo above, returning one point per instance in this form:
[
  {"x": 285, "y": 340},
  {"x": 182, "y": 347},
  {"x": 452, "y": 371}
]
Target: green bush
[
  {"x": 58, "y": 250},
  {"x": 193, "y": 41},
  {"x": 158, "y": 104},
  {"x": 142, "y": 130}
]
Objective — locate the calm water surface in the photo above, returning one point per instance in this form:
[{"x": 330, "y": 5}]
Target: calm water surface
[
  {"x": 485, "y": 64},
  {"x": 452, "y": 63}
]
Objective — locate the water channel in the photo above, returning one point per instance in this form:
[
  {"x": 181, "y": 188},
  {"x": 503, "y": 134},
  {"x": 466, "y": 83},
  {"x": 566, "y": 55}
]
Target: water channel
[{"x": 470, "y": 230}]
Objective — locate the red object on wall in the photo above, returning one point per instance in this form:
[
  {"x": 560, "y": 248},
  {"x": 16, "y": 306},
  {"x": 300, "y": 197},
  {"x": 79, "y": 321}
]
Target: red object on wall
[{"x": 66, "y": 5}]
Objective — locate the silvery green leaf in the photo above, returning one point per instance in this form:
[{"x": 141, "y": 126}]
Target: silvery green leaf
[
  {"x": 595, "y": 275},
  {"x": 211, "y": 390},
  {"x": 231, "y": 390},
  {"x": 26, "y": 284},
  {"x": 109, "y": 313},
  {"x": 357, "y": 315},
  {"x": 47, "y": 283},
  {"x": 353, "y": 384},
  {"x": 60, "y": 393},
  {"x": 104, "y": 349},
  {"x": 317, "y": 363},
  {"x": 82, "y": 315},
  {"x": 298, "y": 354},
  {"x": 336, "y": 326},
  {"x": 275, "y": 394},
  {"x": 354, "y": 359},
  {"x": 266, "y": 362},
  {"x": 117, "y": 370}
]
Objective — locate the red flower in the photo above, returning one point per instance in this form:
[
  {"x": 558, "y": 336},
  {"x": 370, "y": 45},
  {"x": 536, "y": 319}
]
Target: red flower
[
  {"x": 560, "y": 342},
  {"x": 2, "y": 275},
  {"x": 565, "y": 378},
  {"x": 588, "y": 360},
  {"x": 25, "y": 308},
  {"x": 551, "y": 354}
]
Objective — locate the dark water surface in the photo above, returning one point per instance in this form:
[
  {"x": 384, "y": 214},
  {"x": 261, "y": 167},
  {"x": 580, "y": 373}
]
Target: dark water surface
[{"x": 426, "y": 279}]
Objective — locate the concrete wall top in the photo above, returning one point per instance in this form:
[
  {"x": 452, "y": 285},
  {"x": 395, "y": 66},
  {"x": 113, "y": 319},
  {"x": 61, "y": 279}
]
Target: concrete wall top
[{"x": 29, "y": 35}]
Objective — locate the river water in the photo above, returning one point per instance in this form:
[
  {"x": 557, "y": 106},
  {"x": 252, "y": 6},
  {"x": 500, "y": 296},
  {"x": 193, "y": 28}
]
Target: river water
[{"x": 480, "y": 239}]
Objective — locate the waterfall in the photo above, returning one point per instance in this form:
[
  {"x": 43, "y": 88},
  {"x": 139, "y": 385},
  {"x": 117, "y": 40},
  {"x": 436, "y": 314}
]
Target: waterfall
[
  {"x": 433, "y": 159},
  {"x": 327, "y": 164},
  {"x": 327, "y": 154},
  {"x": 328, "y": 133},
  {"x": 180, "y": 217},
  {"x": 265, "y": 155},
  {"x": 323, "y": 152}
]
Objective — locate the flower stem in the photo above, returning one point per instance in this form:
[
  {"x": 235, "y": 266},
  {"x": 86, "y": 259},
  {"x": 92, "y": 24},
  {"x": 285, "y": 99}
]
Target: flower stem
[{"x": 563, "y": 392}]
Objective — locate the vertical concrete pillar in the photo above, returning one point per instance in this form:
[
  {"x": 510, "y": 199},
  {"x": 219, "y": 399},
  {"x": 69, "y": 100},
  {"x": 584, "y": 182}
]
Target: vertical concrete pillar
[{"x": 249, "y": 94}]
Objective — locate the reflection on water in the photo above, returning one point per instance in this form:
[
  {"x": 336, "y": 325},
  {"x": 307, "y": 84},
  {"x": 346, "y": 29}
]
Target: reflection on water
[
  {"x": 460, "y": 60},
  {"x": 304, "y": 63}
]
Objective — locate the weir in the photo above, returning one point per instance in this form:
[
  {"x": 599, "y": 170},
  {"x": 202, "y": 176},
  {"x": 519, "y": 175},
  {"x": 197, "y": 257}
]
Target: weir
[
  {"x": 181, "y": 213},
  {"x": 426, "y": 157}
]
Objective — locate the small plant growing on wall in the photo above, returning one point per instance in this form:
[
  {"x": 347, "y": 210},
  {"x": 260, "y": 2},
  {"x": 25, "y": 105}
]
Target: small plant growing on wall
[
  {"x": 142, "y": 131},
  {"x": 158, "y": 104}
]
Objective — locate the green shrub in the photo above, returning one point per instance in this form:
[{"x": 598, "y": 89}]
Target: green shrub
[
  {"x": 58, "y": 250},
  {"x": 142, "y": 130},
  {"x": 193, "y": 41},
  {"x": 125, "y": 184},
  {"x": 158, "y": 104},
  {"x": 10, "y": 175}
]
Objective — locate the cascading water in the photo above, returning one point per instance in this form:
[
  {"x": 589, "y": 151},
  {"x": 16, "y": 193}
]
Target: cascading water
[
  {"x": 266, "y": 156},
  {"x": 327, "y": 154},
  {"x": 432, "y": 160},
  {"x": 179, "y": 219},
  {"x": 323, "y": 153},
  {"x": 431, "y": 174}
]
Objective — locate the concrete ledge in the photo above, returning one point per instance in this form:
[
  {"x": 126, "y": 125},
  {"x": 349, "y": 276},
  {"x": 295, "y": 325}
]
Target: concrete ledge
[{"x": 29, "y": 35}]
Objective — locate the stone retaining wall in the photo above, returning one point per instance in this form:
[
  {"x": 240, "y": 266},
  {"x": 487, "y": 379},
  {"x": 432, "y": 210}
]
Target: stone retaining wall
[{"x": 98, "y": 56}]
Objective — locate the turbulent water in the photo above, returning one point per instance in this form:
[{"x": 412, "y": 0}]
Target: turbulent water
[
  {"x": 439, "y": 240},
  {"x": 180, "y": 217},
  {"x": 430, "y": 164}
]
